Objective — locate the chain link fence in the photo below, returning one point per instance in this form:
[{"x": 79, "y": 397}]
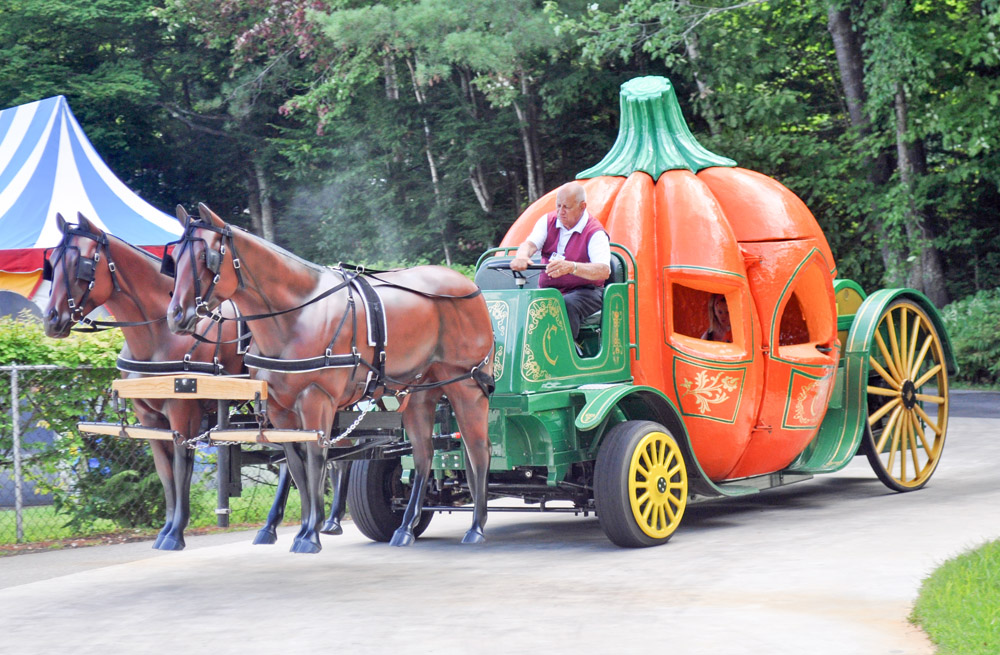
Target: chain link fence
[{"x": 57, "y": 484}]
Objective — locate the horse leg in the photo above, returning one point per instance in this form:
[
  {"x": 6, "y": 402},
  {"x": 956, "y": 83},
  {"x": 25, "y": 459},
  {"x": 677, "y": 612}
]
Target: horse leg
[
  {"x": 471, "y": 407},
  {"x": 307, "y": 471},
  {"x": 269, "y": 533},
  {"x": 339, "y": 475},
  {"x": 316, "y": 411},
  {"x": 185, "y": 419},
  {"x": 162, "y": 457},
  {"x": 418, "y": 421},
  {"x": 183, "y": 465}
]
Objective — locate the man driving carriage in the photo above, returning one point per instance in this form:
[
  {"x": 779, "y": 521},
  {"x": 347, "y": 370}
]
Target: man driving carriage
[{"x": 576, "y": 252}]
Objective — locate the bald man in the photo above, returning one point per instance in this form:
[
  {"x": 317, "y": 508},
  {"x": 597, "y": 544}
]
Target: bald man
[{"x": 576, "y": 252}]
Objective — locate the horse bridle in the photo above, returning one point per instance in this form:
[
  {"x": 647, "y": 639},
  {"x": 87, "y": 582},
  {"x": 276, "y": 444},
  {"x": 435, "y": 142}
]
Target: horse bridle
[
  {"x": 86, "y": 267},
  {"x": 213, "y": 262}
]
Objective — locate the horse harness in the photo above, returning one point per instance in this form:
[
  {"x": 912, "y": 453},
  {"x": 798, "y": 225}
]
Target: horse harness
[
  {"x": 86, "y": 271},
  {"x": 353, "y": 280}
]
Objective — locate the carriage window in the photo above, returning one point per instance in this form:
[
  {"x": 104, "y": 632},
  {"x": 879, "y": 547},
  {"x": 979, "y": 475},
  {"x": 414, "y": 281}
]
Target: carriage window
[
  {"x": 807, "y": 316},
  {"x": 701, "y": 314},
  {"x": 793, "y": 324}
]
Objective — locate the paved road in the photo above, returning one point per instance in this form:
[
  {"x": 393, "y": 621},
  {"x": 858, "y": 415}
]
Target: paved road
[{"x": 827, "y": 566}]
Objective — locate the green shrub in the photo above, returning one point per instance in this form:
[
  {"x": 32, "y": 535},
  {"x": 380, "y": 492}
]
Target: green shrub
[
  {"x": 91, "y": 478},
  {"x": 973, "y": 324}
]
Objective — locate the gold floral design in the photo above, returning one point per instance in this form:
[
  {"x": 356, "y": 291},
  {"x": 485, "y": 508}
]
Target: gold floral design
[
  {"x": 530, "y": 368},
  {"x": 499, "y": 312},
  {"x": 541, "y": 309},
  {"x": 498, "y": 360},
  {"x": 617, "y": 347},
  {"x": 708, "y": 390},
  {"x": 804, "y": 393}
]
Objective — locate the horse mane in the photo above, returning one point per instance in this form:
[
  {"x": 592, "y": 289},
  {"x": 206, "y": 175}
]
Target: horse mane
[
  {"x": 281, "y": 251},
  {"x": 148, "y": 255}
]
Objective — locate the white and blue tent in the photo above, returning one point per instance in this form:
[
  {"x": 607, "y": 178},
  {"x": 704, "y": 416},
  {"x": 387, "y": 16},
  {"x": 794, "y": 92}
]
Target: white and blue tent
[{"x": 49, "y": 167}]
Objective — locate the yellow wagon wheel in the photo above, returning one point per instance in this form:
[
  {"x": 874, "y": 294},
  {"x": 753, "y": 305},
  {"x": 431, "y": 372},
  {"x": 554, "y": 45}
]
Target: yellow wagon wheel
[
  {"x": 907, "y": 398},
  {"x": 640, "y": 484}
]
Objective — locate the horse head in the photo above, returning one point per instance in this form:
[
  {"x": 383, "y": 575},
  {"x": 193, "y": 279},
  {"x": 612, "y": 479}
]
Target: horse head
[
  {"x": 203, "y": 269},
  {"x": 80, "y": 274}
]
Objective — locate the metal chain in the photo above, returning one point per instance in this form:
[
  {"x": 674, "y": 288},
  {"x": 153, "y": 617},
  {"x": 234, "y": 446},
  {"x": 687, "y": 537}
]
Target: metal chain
[{"x": 326, "y": 443}]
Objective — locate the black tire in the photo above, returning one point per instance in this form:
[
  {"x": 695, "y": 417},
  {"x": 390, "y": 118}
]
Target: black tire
[
  {"x": 373, "y": 485},
  {"x": 640, "y": 484}
]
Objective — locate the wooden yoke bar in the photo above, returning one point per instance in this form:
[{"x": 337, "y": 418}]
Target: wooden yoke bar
[{"x": 191, "y": 386}]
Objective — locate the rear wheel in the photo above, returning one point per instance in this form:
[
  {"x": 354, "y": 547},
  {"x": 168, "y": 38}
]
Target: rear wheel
[
  {"x": 640, "y": 484},
  {"x": 373, "y": 485},
  {"x": 907, "y": 398}
]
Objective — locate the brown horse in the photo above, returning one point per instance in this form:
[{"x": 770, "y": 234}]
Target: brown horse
[
  {"x": 439, "y": 340},
  {"x": 91, "y": 268}
]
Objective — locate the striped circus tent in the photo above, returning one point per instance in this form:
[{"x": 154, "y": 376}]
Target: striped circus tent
[{"x": 49, "y": 167}]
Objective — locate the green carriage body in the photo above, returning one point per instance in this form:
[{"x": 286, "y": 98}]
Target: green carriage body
[{"x": 555, "y": 402}]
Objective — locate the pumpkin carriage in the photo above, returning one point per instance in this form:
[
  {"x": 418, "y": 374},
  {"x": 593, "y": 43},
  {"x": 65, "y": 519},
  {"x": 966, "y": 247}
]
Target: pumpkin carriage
[{"x": 645, "y": 414}]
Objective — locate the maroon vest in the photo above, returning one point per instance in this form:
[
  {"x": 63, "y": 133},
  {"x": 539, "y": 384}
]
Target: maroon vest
[{"x": 576, "y": 251}]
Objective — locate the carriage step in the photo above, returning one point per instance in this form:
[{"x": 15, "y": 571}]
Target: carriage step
[
  {"x": 264, "y": 436},
  {"x": 191, "y": 386},
  {"x": 130, "y": 431}
]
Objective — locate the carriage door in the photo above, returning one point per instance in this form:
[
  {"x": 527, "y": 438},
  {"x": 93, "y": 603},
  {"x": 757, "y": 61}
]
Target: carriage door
[{"x": 792, "y": 288}]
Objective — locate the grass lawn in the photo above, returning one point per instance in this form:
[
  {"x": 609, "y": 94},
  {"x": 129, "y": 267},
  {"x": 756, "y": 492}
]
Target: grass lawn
[{"x": 959, "y": 604}]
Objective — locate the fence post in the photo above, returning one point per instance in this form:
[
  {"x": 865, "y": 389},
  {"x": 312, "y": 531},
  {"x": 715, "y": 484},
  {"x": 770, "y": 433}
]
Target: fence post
[
  {"x": 222, "y": 469},
  {"x": 18, "y": 475}
]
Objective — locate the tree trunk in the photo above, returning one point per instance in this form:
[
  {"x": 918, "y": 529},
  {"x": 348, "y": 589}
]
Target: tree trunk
[
  {"x": 693, "y": 50},
  {"x": 850, "y": 63},
  {"x": 431, "y": 160},
  {"x": 527, "y": 119},
  {"x": 253, "y": 200},
  {"x": 391, "y": 81},
  {"x": 927, "y": 273},
  {"x": 264, "y": 193}
]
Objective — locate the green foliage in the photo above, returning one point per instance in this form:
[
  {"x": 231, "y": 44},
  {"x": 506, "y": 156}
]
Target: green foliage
[
  {"x": 959, "y": 604},
  {"x": 108, "y": 478},
  {"x": 973, "y": 324}
]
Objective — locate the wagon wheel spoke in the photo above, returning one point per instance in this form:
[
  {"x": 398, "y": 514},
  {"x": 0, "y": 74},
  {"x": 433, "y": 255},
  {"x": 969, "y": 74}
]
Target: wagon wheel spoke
[
  {"x": 927, "y": 376},
  {"x": 889, "y": 360},
  {"x": 890, "y": 427},
  {"x": 891, "y": 328},
  {"x": 891, "y": 379},
  {"x": 882, "y": 391},
  {"x": 882, "y": 411},
  {"x": 920, "y": 358},
  {"x": 929, "y": 421},
  {"x": 911, "y": 351}
]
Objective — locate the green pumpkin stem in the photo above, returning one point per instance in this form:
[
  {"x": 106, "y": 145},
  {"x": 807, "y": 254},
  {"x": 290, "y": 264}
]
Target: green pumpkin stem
[{"x": 652, "y": 135}]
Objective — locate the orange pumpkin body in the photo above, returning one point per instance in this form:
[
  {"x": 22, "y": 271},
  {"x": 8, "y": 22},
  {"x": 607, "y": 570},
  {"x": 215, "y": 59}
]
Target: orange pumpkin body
[{"x": 752, "y": 405}]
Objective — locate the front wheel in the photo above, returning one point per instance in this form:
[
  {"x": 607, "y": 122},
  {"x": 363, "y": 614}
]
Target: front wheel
[
  {"x": 640, "y": 484},
  {"x": 373, "y": 485}
]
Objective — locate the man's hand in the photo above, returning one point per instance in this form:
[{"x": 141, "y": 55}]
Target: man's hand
[
  {"x": 559, "y": 267},
  {"x": 519, "y": 263}
]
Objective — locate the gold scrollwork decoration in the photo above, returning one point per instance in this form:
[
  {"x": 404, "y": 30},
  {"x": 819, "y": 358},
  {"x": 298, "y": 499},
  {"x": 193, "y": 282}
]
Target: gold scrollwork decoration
[{"x": 710, "y": 390}]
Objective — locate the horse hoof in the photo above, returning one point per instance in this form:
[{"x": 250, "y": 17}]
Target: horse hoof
[
  {"x": 170, "y": 543},
  {"x": 474, "y": 537},
  {"x": 306, "y": 546},
  {"x": 402, "y": 537},
  {"x": 265, "y": 537},
  {"x": 332, "y": 527}
]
